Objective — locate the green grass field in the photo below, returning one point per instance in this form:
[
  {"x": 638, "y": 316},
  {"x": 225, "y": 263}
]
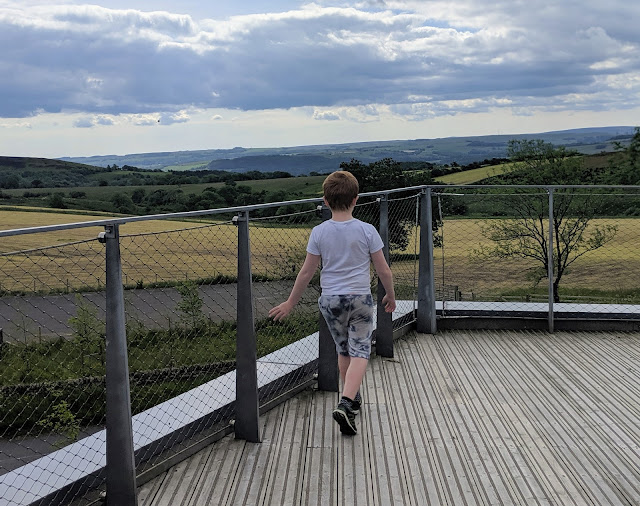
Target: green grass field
[
  {"x": 296, "y": 187},
  {"x": 186, "y": 166},
  {"x": 310, "y": 186}
]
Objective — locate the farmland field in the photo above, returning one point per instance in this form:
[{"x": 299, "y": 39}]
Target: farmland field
[
  {"x": 152, "y": 251},
  {"x": 474, "y": 175},
  {"x": 168, "y": 251}
]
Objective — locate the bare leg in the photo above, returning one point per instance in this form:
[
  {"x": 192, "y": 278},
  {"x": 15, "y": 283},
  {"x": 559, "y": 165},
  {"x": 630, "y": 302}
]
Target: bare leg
[
  {"x": 354, "y": 374},
  {"x": 343, "y": 365}
]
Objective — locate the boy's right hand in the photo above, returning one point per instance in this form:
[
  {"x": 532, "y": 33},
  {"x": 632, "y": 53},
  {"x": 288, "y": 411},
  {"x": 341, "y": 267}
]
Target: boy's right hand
[
  {"x": 389, "y": 303},
  {"x": 280, "y": 311}
]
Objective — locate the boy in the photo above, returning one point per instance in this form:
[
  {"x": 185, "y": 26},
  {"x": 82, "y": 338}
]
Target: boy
[{"x": 346, "y": 246}]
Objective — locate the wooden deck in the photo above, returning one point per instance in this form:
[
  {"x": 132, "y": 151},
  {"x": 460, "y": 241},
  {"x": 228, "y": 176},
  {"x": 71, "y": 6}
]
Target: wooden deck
[{"x": 460, "y": 418}]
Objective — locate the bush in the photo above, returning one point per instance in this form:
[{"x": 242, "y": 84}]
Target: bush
[{"x": 57, "y": 202}]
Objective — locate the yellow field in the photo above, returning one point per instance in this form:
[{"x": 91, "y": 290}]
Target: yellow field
[
  {"x": 474, "y": 175},
  {"x": 151, "y": 251},
  {"x": 615, "y": 266},
  {"x": 160, "y": 250}
]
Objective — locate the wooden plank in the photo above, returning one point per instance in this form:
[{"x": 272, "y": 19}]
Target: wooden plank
[
  {"x": 611, "y": 472},
  {"x": 463, "y": 417},
  {"x": 502, "y": 433},
  {"x": 320, "y": 473},
  {"x": 249, "y": 482},
  {"x": 422, "y": 473},
  {"x": 452, "y": 464},
  {"x": 218, "y": 475},
  {"x": 546, "y": 404},
  {"x": 287, "y": 465},
  {"x": 147, "y": 493}
]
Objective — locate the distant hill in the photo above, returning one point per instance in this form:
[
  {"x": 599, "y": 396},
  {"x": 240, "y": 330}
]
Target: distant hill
[
  {"x": 327, "y": 157},
  {"x": 17, "y": 172}
]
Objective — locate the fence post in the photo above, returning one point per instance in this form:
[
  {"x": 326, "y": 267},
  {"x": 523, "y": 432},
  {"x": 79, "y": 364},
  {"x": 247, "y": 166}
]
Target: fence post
[
  {"x": 327, "y": 356},
  {"x": 121, "y": 470},
  {"x": 550, "y": 259},
  {"x": 384, "y": 330},
  {"x": 426, "y": 317},
  {"x": 247, "y": 404}
]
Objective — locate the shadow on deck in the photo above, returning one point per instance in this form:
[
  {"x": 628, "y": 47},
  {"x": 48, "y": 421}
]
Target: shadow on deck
[{"x": 463, "y": 417}]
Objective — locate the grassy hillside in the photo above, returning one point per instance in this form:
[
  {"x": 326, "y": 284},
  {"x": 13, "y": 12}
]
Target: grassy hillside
[
  {"x": 133, "y": 191},
  {"x": 327, "y": 157},
  {"x": 100, "y": 198}
]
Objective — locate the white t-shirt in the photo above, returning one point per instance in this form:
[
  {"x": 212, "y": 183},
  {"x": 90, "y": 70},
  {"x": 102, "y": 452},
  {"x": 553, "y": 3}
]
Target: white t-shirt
[{"x": 345, "y": 248}]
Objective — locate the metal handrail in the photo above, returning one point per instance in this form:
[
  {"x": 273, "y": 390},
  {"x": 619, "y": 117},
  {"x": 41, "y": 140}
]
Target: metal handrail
[{"x": 237, "y": 209}]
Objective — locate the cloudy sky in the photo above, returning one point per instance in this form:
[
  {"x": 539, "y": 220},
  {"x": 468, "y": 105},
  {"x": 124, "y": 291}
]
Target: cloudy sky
[{"x": 131, "y": 76}]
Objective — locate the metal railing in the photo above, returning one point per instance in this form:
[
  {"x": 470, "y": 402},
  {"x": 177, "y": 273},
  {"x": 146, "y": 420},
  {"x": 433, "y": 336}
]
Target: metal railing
[{"x": 140, "y": 340}]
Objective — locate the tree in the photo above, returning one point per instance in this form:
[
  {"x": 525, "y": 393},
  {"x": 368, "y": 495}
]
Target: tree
[
  {"x": 387, "y": 174},
  {"x": 627, "y": 163},
  {"x": 57, "y": 202},
  {"x": 527, "y": 235},
  {"x": 190, "y": 306},
  {"x": 122, "y": 203}
]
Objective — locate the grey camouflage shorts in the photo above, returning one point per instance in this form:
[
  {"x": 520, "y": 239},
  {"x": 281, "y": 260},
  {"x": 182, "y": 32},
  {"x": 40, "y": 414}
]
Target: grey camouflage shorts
[{"x": 350, "y": 321}]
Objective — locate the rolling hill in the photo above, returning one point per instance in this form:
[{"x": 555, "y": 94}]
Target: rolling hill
[{"x": 324, "y": 158}]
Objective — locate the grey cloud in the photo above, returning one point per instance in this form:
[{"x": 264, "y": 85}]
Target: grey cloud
[
  {"x": 326, "y": 115},
  {"x": 104, "y": 120},
  {"x": 103, "y": 62},
  {"x": 84, "y": 123}
]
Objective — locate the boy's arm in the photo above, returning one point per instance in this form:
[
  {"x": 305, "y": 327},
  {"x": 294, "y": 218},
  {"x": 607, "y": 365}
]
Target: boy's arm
[
  {"x": 311, "y": 264},
  {"x": 386, "y": 277}
]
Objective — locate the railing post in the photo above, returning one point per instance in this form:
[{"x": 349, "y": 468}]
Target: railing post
[
  {"x": 247, "y": 404},
  {"x": 550, "y": 259},
  {"x": 426, "y": 317},
  {"x": 328, "y": 373},
  {"x": 384, "y": 330},
  {"x": 121, "y": 469}
]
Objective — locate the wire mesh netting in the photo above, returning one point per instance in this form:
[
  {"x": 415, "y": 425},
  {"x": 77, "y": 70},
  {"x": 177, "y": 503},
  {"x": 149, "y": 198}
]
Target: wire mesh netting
[
  {"x": 492, "y": 247},
  {"x": 597, "y": 255},
  {"x": 287, "y": 350},
  {"x": 180, "y": 306},
  {"x": 52, "y": 314},
  {"x": 404, "y": 243}
]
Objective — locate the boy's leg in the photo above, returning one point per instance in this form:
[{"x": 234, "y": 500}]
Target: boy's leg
[
  {"x": 343, "y": 366},
  {"x": 354, "y": 376},
  {"x": 360, "y": 330}
]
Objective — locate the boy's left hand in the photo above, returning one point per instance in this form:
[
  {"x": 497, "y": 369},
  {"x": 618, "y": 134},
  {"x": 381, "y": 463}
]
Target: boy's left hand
[{"x": 280, "y": 311}]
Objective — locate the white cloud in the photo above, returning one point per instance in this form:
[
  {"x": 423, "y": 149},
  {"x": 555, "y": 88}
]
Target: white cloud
[
  {"x": 171, "y": 118},
  {"x": 16, "y": 124},
  {"x": 326, "y": 115},
  {"x": 357, "y": 61}
]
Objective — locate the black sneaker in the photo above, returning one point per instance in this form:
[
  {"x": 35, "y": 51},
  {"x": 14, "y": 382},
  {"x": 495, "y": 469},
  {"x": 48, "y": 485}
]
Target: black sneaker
[
  {"x": 355, "y": 405},
  {"x": 346, "y": 418}
]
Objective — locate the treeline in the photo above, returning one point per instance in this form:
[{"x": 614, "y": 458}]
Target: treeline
[
  {"x": 140, "y": 201},
  {"x": 36, "y": 174},
  {"x": 29, "y": 173},
  {"x": 619, "y": 168},
  {"x": 168, "y": 200}
]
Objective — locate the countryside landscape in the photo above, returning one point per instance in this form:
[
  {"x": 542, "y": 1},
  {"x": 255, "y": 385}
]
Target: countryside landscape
[
  {"x": 161, "y": 171},
  {"x": 179, "y": 274},
  {"x": 37, "y": 192}
]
